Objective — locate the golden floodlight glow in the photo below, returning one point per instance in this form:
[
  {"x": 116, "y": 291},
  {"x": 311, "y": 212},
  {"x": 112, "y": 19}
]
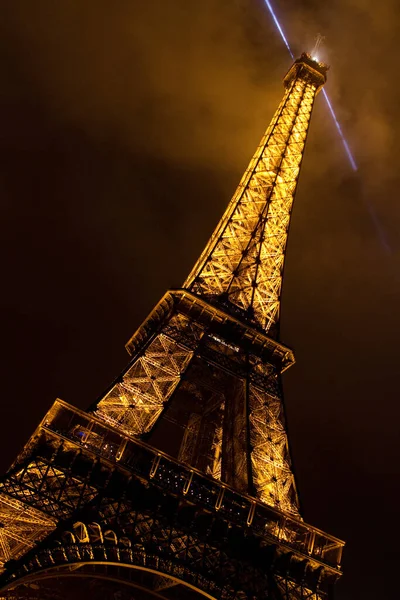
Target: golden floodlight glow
[
  {"x": 240, "y": 270},
  {"x": 243, "y": 261},
  {"x": 181, "y": 475}
]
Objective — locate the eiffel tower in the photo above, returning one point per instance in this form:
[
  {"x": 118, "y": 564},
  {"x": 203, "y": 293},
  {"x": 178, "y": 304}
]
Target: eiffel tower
[{"x": 178, "y": 482}]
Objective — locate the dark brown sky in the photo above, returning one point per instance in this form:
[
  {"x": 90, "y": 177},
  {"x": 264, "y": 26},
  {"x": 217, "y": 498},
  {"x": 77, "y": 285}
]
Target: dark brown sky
[{"x": 125, "y": 127}]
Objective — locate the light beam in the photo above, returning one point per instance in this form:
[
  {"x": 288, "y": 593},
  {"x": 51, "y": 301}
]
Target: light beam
[
  {"x": 353, "y": 164},
  {"x": 279, "y": 28},
  {"x": 338, "y": 127}
]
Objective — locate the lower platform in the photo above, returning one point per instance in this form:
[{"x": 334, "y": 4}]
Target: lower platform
[{"x": 112, "y": 501}]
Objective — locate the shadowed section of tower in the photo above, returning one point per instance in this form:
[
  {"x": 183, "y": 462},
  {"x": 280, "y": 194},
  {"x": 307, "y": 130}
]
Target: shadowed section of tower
[{"x": 242, "y": 264}]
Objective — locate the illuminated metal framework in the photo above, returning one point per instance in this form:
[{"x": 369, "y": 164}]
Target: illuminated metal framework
[
  {"x": 114, "y": 501},
  {"x": 239, "y": 276},
  {"x": 222, "y": 377},
  {"x": 242, "y": 263},
  {"x": 178, "y": 481}
]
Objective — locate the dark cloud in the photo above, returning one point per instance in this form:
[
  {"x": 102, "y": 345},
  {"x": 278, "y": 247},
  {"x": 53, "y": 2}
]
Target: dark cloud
[{"x": 124, "y": 130}]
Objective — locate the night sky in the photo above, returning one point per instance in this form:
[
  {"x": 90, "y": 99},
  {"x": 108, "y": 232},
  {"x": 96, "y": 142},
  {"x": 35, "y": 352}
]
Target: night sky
[{"x": 125, "y": 127}]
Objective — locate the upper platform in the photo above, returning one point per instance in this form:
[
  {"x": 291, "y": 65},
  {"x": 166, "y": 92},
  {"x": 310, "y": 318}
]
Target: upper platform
[{"x": 309, "y": 69}]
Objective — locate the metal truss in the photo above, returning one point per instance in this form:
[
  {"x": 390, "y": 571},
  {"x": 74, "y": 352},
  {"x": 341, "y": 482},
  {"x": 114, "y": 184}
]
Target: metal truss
[
  {"x": 136, "y": 402},
  {"x": 21, "y": 527},
  {"x": 243, "y": 261},
  {"x": 229, "y": 413},
  {"x": 197, "y": 558},
  {"x": 178, "y": 480},
  {"x": 148, "y": 512}
]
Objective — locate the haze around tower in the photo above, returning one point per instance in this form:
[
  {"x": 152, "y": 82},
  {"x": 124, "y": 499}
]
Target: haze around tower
[{"x": 124, "y": 132}]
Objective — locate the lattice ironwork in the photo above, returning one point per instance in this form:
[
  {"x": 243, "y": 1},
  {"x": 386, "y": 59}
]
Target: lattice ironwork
[
  {"x": 223, "y": 399},
  {"x": 272, "y": 470},
  {"x": 21, "y": 527},
  {"x": 136, "y": 402},
  {"x": 147, "y": 511},
  {"x": 243, "y": 261},
  {"x": 48, "y": 488},
  {"x": 179, "y": 480}
]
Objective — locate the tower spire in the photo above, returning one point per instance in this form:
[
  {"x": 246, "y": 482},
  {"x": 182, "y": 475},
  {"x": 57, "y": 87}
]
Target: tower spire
[{"x": 242, "y": 264}]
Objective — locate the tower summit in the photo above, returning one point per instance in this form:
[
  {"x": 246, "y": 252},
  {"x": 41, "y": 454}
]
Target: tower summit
[{"x": 178, "y": 481}]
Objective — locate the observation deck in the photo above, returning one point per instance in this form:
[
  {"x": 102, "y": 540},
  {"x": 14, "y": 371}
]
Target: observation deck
[{"x": 66, "y": 429}]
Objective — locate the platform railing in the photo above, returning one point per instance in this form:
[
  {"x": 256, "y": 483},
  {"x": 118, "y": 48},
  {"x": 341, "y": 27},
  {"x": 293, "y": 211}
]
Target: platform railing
[{"x": 179, "y": 479}]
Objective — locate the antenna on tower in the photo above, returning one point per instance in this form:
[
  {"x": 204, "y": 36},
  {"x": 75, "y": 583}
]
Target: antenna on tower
[{"x": 318, "y": 41}]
